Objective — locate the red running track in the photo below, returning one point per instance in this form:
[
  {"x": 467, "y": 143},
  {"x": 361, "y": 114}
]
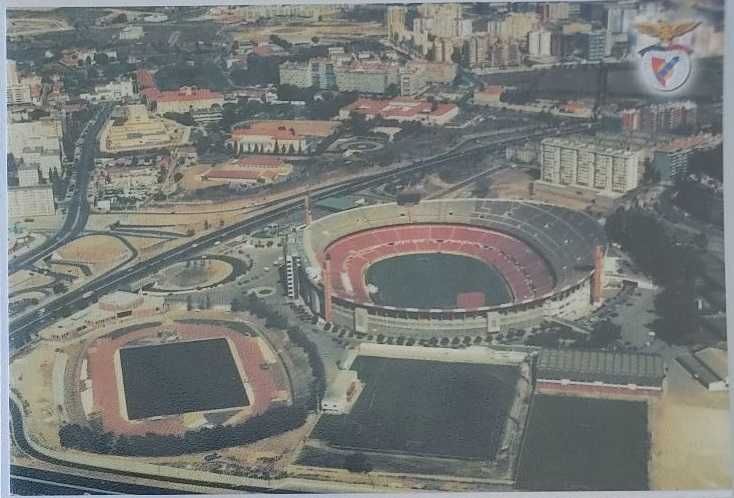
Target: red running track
[{"x": 105, "y": 383}]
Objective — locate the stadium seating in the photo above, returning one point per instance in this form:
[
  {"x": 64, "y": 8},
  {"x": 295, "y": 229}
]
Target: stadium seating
[{"x": 536, "y": 247}]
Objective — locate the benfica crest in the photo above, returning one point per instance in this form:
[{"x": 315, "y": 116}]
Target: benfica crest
[{"x": 666, "y": 66}]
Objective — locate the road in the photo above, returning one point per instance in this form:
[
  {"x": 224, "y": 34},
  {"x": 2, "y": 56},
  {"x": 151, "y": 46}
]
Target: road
[
  {"x": 78, "y": 209},
  {"x": 23, "y": 328},
  {"x": 30, "y": 481}
]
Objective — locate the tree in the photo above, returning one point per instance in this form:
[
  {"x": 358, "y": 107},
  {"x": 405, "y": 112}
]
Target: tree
[
  {"x": 357, "y": 462},
  {"x": 315, "y": 39},
  {"x": 604, "y": 333},
  {"x": 101, "y": 58},
  {"x": 189, "y": 305}
]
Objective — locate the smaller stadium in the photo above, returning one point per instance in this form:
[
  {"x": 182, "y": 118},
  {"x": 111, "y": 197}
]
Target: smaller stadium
[
  {"x": 426, "y": 411},
  {"x": 156, "y": 378},
  {"x": 459, "y": 266}
]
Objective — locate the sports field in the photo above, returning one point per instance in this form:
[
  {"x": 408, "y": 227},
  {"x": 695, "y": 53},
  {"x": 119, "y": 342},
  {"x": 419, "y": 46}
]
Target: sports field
[
  {"x": 434, "y": 281},
  {"x": 426, "y": 408},
  {"x": 180, "y": 377},
  {"x": 585, "y": 444}
]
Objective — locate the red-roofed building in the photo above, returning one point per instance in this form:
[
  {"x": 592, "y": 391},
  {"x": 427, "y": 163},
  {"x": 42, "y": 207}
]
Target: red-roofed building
[
  {"x": 185, "y": 99},
  {"x": 250, "y": 170},
  {"x": 262, "y": 161},
  {"x": 402, "y": 109},
  {"x": 145, "y": 79},
  {"x": 281, "y": 136}
]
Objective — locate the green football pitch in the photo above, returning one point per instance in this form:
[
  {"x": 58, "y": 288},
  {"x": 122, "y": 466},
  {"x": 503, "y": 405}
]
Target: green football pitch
[
  {"x": 430, "y": 408},
  {"x": 428, "y": 281},
  {"x": 585, "y": 444}
]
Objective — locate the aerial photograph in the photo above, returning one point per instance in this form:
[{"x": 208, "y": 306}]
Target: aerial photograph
[{"x": 386, "y": 248}]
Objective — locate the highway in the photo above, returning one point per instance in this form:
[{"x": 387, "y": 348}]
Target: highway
[
  {"x": 30, "y": 481},
  {"x": 78, "y": 209},
  {"x": 23, "y": 328}
]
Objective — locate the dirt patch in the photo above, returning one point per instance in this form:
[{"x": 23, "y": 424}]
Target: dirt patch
[
  {"x": 690, "y": 437},
  {"x": 25, "y": 279},
  {"x": 93, "y": 249},
  {"x": 511, "y": 184}
]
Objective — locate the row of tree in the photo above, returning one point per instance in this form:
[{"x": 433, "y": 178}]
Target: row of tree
[
  {"x": 672, "y": 264},
  {"x": 274, "y": 421},
  {"x": 276, "y": 320}
]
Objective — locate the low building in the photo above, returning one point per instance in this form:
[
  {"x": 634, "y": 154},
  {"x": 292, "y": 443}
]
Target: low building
[
  {"x": 43, "y": 134},
  {"x": 250, "y": 170},
  {"x": 136, "y": 130},
  {"x": 28, "y": 175},
  {"x": 114, "y": 91},
  {"x": 716, "y": 360},
  {"x": 403, "y": 110},
  {"x": 708, "y": 367},
  {"x": 281, "y": 136},
  {"x": 145, "y": 79},
  {"x": 42, "y": 159},
  {"x": 111, "y": 309},
  {"x": 185, "y": 99},
  {"x": 131, "y": 33},
  {"x": 342, "y": 393},
  {"x": 598, "y": 372},
  {"x": 36, "y": 200}
]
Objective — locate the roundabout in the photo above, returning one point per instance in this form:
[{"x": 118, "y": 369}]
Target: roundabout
[{"x": 197, "y": 273}]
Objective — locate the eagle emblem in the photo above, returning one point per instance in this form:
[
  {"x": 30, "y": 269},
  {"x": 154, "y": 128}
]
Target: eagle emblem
[{"x": 666, "y": 66}]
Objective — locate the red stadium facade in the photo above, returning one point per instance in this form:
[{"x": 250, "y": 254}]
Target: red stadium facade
[{"x": 547, "y": 256}]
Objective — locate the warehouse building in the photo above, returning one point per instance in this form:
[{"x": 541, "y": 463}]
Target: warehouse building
[{"x": 570, "y": 371}]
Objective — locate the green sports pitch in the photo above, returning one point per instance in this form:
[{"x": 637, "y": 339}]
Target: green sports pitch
[
  {"x": 584, "y": 444},
  {"x": 425, "y": 408},
  {"x": 426, "y": 281}
]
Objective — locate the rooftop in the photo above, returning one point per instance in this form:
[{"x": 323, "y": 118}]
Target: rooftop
[
  {"x": 399, "y": 107},
  {"x": 261, "y": 161},
  {"x": 287, "y": 129},
  {"x": 604, "y": 366},
  {"x": 185, "y": 93}
]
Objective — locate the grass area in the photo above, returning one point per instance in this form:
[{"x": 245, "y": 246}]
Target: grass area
[
  {"x": 425, "y": 408},
  {"x": 434, "y": 281},
  {"x": 585, "y": 444}
]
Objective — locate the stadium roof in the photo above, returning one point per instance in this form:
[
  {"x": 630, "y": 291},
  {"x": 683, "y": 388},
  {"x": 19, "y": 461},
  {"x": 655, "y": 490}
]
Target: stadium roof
[
  {"x": 339, "y": 202},
  {"x": 601, "y": 366}
]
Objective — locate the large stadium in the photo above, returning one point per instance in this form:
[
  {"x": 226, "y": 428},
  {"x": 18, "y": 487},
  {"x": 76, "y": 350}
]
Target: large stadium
[{"x": 459, "y": 266}]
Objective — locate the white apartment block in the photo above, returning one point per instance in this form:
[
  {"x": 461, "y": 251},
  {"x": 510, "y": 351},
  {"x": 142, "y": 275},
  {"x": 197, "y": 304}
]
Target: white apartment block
[
  {"x": 114, "y": 91},
  {"x": 539, "y": 43},
  {"x": 583, "y": 163}
]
